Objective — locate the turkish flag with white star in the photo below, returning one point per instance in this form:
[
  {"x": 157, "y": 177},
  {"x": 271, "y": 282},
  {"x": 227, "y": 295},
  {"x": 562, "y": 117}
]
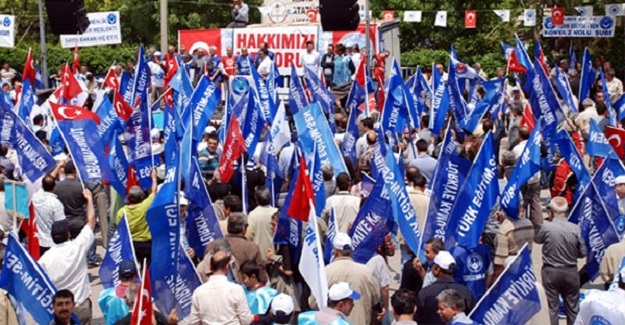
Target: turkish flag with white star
[
  {"x": 71, "y": 87},
  {"x": 557, "y": 16},
  {"x": 72, "y": 113},
  {"x": 142, "y": 311},
  {"x": 470, "y": 19}
]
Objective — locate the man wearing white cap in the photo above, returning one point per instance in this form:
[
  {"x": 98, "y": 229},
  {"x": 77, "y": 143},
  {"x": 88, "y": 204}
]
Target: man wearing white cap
[
  {"x": 427, "y": 303},
  {"x": 359, "y": 277},
  {"x": 341, "y": 303},
  {"x": 282, "y": 307},
  {"x": 614, "y": 253}
]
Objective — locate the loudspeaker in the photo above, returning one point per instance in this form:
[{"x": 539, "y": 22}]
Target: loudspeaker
[
  {"x": 339, "y": 14},
  {"x": 67, "y": 16}
]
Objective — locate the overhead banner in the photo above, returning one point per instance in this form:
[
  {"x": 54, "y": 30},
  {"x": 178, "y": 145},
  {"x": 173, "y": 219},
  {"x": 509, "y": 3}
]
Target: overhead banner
[
  {"x": 287, "y": 44},
  {"x": 278, "y": 12},
  {"x": 7, "y": 31},
  {"x": 579, "y": 26},
  {"x": 104, "y": 28}
]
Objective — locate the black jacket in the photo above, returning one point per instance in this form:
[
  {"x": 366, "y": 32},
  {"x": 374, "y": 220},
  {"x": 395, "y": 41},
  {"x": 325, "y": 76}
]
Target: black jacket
[{"x": 427, "y": 305}]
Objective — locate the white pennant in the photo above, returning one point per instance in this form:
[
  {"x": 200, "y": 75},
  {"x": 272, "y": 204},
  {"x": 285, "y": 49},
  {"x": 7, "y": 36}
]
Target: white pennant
[
  {"x": 441, "y": 19},
  {"x": 584, "y": 11},
  {"x": 264, "y": 10},
  {"x": 503, "y": 14},
  {"x": 617, "y": 9},
  {"x": 529, "y": 17},
  {"x": 412, "y": 16}
]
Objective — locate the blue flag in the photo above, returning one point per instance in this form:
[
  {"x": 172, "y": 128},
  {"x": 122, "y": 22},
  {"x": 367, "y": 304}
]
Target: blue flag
[
  {"x": 403, "y": 211},
  {"x": 138, "y": 85},
  {"x": 372, "y": 224},
  {"x": 274, "y": 177},
  {"x": 26, "y": 281},
  {"x": 526, "y": 61},
  {"x": 355, "y": 98},
  {"x": 202, "y": 224},
  {"x": 440, "y": 102},
  {"x": 119, "y": 166},
  {"x": 328, "y": 249},
  {"x": 513, "y": 299},
  {"x": 604, "y": 180},
  {"x": 596, "y": 227},
  {"x": 289, "y": 230},
  {"x": 572, "y": 58},
  {"x": 110, "y": 123},
  {"x": 348, "y": 147},
  {"x": 175, "y": 290},
  {"x": 545, "y": 104},
  {"x": 253, "y": 125},
  {"x": 33, "y": 157},
  {"x": 26, "y": 102},
  {"x": 527, "y": 166},
  {"x": 267, "y": 104},
  {"x": 395, "y": 109},
  {"x": 587, "y": 77},
  {"x": 571, "y": 154},
  {"x": 419, "y": 90},
  {"x": 564, "y": 89},
  {"x": 320, "y": 94},
  {"x": 312, "y": 127},
  {"x": 477, "y": 196},
  {"x": 492, "y": 97},
  {"x": 619, "y": 107},
  {"x": 163, "y": 218},
  {"x": 202, "y": 106},
  {"x": 316, "y": 179},
  {"x": 119, "y": 249},
  {"x": 183, "y": 89},
  {"x": 56, "y": 142},
  {"x": 139, "y": 142},
  {"x": 597, "y": 145},
  {"x": 297, "y": 97},
  {"x": 38, "y": 78}
]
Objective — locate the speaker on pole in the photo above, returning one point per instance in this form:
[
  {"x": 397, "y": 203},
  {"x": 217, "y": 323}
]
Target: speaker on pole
[
  {"x": 67, "y": 16},
  {"x": 339, "y": 14}
]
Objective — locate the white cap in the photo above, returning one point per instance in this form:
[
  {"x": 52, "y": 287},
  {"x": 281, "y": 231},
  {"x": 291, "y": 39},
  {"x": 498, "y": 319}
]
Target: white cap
[
  {"x": 282, "y": 304},
  {"x": 341, "y": 290},
  {"x": 61, "y": 156},
  {"x": 619, "y": 180},
  {"x": 155, "y": 133},
  {"x": 157, "y": 53},
  {"x": 341, "y": 240},
  {"x": 157, "y": 149},
  {"x": 515, "y": 88},
  {"x": 210, "y": 129},
  {"x": 444, "y": 260},
  {"x": 160, "y": 171},
  {"x": 183, "y": 199}
]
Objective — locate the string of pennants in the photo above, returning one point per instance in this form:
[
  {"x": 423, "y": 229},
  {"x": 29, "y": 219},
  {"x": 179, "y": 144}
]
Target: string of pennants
[{"x": 529, "y": 15}]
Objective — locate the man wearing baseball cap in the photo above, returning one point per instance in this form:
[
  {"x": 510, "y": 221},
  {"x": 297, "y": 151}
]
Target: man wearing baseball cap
[
  {"x": 112, "y": 300},
  {"x": 282, "y": 307},
  {"x": 427, "y": 303},
  {"x": 341, "y": 299},
  {"x": 360, "y": 278}
]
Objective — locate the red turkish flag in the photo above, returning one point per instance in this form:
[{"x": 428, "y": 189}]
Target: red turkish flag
[
  {"x": 172, "y": 68},
  {"x": 557, "y": 16},
  {"x": 312, "y": 15},
  {"x": 71, "y": 113},
  {"x": 29, "y": 226},
  {"x": 143, "y": 311},
  {"x": 29, "y": 68},
  {"x": 71, "y": 87},
  {"x": 111, "y": 80},
  {"x": 122, "y": 108},
  {"x": 132, "y": 179},
  {"x": 234, "y": 147},
  {"x": 514, "y": 65},
  {"x": 470, "y": 19},
  {"x": 388, "y": 15},
  {"x": 528, "y": 118},
  {"x": 303, "y": 194},
  {"x": 616, "y": 138}
]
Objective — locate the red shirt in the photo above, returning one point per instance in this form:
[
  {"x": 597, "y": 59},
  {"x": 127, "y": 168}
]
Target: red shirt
[{"x": 229, "y": 63}]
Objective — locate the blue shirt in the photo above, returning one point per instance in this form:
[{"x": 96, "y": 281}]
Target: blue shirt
[
  {"x": 342, "y": 74},
  {"x": 113, "y": 307},
  {"x": 213, "y": 67},
  {"x": 243, "y": 65},
  {"x": 472, "y": 267},
  {"x": 426, "y": 165}
]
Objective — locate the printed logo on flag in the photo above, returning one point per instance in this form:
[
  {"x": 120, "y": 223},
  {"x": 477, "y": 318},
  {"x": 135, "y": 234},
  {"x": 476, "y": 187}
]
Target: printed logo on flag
[
  {"x": 475, "y": 262},
  {"x": 6, "y": 22},
  {"x": 606, "y": 23},
  {"x": 461, "y": 68},
  {"x": 111, "y": 18}
]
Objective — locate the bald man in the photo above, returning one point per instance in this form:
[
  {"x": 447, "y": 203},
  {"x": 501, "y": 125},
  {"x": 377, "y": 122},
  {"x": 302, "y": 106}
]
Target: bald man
[{"x": 562, "y": 246}]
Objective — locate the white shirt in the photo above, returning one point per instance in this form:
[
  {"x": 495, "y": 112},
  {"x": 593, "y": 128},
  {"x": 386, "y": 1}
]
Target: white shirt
[
  {"x": 157, "y": 74},
  {"x": 380, "y": 270},
  {"x": 66, "y": 265},
  {"x": 48, "y": 209},
  {"x": 311, "y": 60},
  {"x": 615, "y": 88},
  {"x": 606, "y": 305},
  {"x": 219, "y": 302},
  {"x": 265, "y": 66}
]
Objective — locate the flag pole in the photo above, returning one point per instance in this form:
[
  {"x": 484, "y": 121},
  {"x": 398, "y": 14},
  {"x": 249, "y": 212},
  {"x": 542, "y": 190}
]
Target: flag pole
[
  {"x": 244, "y": 199},
  {"x": 14, "y": 206}
]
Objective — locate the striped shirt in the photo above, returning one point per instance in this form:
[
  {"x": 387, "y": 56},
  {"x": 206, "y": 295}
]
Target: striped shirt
[
  {"x": 48, "y": 209},
  {"x": 511, "y": 236},
  {"x": 562, "y": 243}
]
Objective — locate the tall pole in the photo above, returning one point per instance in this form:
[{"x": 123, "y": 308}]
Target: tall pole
[
  {"x": 163, "y": 26},
  {"x": 367, "y": 23},
  {"x": 42, "y": 35}
]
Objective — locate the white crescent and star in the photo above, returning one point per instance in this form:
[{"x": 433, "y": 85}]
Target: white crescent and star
[
  {"x": 615, "y": 137},
  {"x": 64, "y": 110},
  {"x": 471, "y": 16}
]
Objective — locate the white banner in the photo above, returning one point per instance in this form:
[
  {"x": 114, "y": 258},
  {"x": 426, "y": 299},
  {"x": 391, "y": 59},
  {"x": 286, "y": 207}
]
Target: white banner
[
  {"x": 281, "y": 12},
  {"x": 412, "y": 16},
  {"x": 104, "y": 29},
  {"x": 577, "y": 26},
  {"x": 7, "y": 31},
  {"x": 529, "y": 17}
]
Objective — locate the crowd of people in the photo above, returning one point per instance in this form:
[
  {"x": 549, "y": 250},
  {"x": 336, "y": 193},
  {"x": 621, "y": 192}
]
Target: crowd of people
[{"x": 248, "y": 279}]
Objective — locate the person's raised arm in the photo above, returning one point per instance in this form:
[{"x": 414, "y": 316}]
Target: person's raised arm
[
  {"x": 154, "y": 183},
  {"x": 90, "y": 210}
]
